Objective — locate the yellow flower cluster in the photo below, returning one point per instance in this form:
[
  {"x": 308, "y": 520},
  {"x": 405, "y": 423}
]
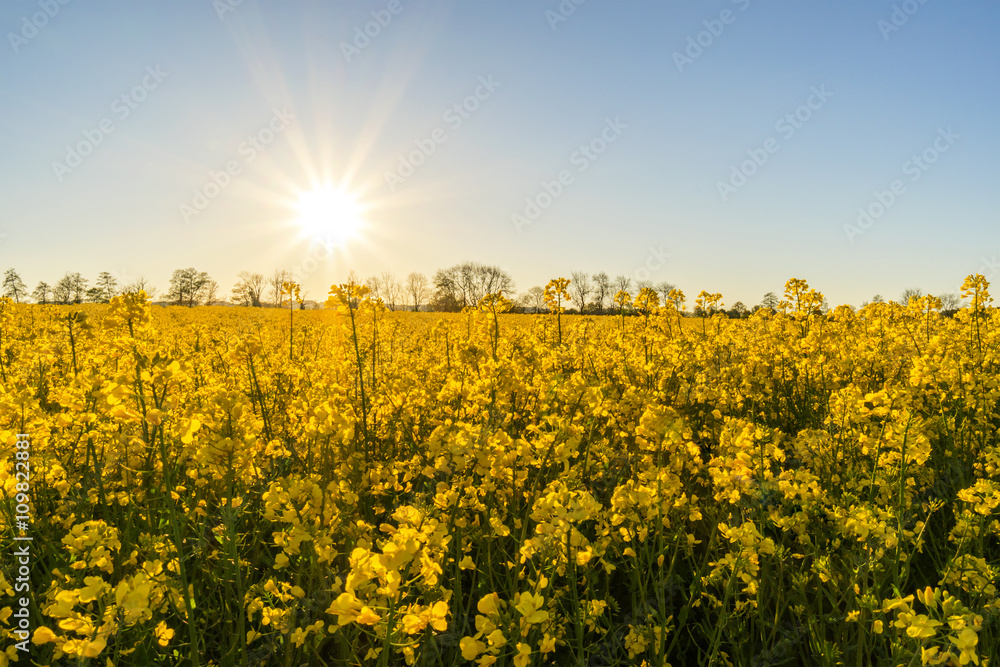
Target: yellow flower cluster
[{"x": 357, "y": 486}]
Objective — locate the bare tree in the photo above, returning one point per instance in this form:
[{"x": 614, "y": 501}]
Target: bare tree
[
  {"x": 392, "y": 292},
  {"x": 354, "y": 281},
  {"x": 79, "y": 287},
  {"x": 248, "y": 289},
  {"x": 465, "y": 284},
  {"x": 580, "y": 288},
  {"x": 602, "y": 290},
  {"x": 663, "y": 287},
  {"x": 534, "y": 299},
  {"x": 141, "y": 285},
  {"x": 375, "y": 290},
  {"x": 909, "y": 293},
  {"x": 277, "y": 279},
  {"x": 493, "y": 280},
  {"x": 211, "y": 292},
  {"x": 42, "y": 293},
  {"x": 950, "y": 302},
  {"x": 71, "y": 288},
  {"x": 623, "y": 284},
  {"x": 449, "y": 295},
  {"x": 417, "y": 288}
]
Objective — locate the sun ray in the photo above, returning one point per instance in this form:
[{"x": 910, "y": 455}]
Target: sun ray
[{"x": 330, "y": 214}]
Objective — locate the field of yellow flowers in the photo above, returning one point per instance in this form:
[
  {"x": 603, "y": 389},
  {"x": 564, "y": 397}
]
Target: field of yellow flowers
[{"x": 354, "y": 486}]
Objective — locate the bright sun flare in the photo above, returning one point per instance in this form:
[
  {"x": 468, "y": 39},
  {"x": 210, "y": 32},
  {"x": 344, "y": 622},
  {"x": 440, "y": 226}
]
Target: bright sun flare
[{"x": 329, "y": 213}]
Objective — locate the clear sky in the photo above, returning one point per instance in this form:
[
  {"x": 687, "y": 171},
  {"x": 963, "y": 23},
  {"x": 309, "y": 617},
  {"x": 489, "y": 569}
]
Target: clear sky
[{"x": 725, "y": 146}]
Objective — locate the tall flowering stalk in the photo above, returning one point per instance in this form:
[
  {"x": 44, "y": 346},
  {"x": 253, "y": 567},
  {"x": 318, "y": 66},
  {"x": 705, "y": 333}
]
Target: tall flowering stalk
[
  {"x": 293, "y": 290},
  {"x": 348, "y": 299},
  {"x": 555, "y": 295}
]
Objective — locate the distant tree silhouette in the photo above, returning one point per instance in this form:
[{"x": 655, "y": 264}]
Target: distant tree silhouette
[
  {"x": 13, "y": 286},
  {"x": 465, "y": 284},
  {"x": 248, "y": 289},
  {"x": 42, "y": 293},
  {"x": 187, "y": 287},
  {"x": 417, "y": 289}
]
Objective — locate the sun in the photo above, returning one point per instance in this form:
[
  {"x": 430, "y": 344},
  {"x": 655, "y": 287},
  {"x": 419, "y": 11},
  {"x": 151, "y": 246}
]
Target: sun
[{"x": 328, "y": 213}]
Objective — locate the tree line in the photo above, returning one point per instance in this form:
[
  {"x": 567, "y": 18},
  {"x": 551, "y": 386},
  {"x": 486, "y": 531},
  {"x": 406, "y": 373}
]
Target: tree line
[
  {"x": 188, "y": 287},
  {"x": 450, "y": 290}
]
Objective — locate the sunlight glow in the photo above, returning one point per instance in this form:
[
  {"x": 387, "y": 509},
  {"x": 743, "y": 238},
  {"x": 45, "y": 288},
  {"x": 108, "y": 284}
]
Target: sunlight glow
[{"x": 330, "y": 214}]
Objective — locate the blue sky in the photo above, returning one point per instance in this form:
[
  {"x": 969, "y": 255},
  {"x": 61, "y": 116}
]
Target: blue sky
[{"x": 725, "y": 146}]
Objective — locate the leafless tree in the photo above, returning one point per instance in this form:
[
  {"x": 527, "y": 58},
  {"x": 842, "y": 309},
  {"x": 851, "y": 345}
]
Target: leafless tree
[
  {"x": 392, "y": 292},
  {"x": 374, "y": 285},
  {"x": 42, "y": 292},
  {"x": 623, "y": 284},
  {"x": 71, "y": 288},
  {"x": 909, "y": 293},
  {"x": 663, "y": 287},
  {"x": 417, "y": 288},
  {"x": 141, "y": 285},
  {"x": 354, "y": 280},
  {"x": 249, "y": 288},
  {"x": 275, "y": 282},
  {"x": 580, "y": 288},
  {"x": 950, "y": 302},
  {"x": 465, "y": 284},
  {"x": 602, "y": 290},
  {"x": 211, "y": 292},
  {"x": 534, "y": 300}
]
